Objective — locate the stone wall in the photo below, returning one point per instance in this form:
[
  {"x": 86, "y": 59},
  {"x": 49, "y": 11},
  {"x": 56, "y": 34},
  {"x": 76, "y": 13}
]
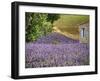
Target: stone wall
[{"x": 84, "y": 33}]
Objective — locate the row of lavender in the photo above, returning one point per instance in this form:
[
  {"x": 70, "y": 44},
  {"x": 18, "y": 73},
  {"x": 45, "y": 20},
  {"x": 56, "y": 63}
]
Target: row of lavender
[
  {"x": 54, "y": 55},
  {"x": 55, "y": 38}
]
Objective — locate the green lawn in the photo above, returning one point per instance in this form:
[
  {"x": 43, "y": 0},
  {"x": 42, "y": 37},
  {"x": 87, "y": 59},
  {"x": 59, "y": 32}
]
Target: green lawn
[{"x": 70, "y": 23}]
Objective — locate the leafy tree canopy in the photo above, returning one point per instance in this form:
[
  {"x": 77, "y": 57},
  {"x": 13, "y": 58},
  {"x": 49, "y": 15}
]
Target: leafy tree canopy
[{"x": 38, "y": 25}]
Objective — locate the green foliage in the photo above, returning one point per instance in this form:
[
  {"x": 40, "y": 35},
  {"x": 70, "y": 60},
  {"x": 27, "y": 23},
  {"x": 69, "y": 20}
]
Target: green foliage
[
  {"x": 53, "y": 17},
  {"x": 36, "y": 26}
]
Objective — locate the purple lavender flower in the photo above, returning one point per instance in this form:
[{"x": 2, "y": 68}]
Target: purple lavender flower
[
  {"x": 67, "y": 52},
  {"x": 55, "y": 38}
]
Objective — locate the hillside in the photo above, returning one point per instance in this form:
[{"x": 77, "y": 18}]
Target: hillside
[{"x": 68, "y": 25}]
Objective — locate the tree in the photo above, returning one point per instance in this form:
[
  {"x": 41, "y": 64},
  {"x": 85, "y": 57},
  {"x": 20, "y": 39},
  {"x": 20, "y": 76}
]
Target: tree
[
  {"x": 36, "y": 26},
  {"x": 53, "y": 17}
]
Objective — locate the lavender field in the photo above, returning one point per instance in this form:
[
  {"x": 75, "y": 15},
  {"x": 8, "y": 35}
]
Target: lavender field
[{"x": 56, "y": 50}]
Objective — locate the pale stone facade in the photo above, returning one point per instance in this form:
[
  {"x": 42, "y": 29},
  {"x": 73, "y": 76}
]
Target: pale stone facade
[{"x": 84, "y": 33}]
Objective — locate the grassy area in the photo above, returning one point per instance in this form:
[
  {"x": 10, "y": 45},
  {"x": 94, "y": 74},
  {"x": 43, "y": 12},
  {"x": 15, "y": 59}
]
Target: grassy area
[{"x": 69, "y": 24}]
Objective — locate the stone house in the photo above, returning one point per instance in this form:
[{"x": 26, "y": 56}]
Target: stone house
[{"x": 84, "y": 33}]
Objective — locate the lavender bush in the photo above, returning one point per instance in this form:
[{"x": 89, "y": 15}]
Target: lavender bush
[
  {"x": 55, "y": 38},
  {"x": 56, "y": 50}
]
